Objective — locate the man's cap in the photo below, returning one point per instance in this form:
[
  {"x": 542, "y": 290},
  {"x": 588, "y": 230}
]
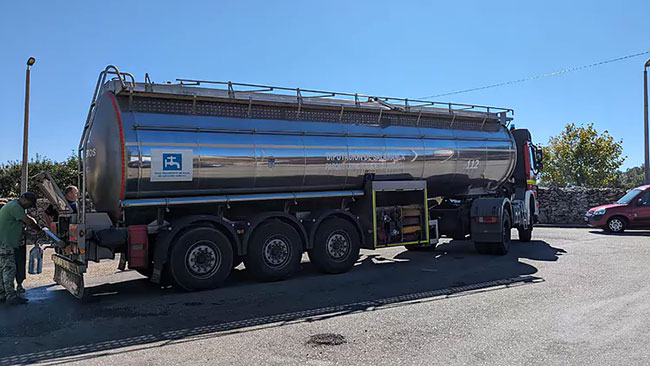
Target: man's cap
[{"x": 29, "y": 196}]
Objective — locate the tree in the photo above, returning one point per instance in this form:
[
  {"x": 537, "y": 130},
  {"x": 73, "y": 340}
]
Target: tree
[
  {"x": 64, "y": 174},
  {"x": 581, "y": 156},
  {"x": 630, "y": 178}
]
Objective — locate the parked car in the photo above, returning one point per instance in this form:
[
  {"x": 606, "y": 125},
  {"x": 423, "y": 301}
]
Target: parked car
[{"x": 632, "y": 211}]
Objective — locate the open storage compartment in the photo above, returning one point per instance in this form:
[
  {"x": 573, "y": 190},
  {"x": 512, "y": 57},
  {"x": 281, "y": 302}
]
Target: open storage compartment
[{"x": 400, "y": 213}]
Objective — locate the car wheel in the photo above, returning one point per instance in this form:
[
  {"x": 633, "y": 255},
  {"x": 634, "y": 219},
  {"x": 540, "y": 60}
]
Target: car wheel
[{"x": 615, "y": 225}]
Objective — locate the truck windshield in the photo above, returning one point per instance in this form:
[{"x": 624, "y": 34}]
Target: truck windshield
[{"x": 629, "y": 196}]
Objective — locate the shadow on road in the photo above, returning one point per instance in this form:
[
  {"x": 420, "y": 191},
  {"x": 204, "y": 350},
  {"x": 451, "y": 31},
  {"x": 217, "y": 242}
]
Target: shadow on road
[
  {"x": 57, "y": 328},
  {"x": 625, "y": 233}
]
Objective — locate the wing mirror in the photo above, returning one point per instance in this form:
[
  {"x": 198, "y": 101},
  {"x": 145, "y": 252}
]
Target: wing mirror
[{"x": 539, "y": 158}]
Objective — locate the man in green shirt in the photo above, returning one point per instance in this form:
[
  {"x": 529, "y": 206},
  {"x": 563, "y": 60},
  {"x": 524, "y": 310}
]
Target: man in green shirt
[{"x": 12, "y": 221}]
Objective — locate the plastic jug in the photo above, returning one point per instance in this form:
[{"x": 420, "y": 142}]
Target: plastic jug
[{"x": 35, "y": 265}]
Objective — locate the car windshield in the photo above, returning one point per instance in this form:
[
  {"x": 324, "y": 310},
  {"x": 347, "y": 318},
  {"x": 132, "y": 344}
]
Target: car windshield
[{"x": 629, "y": 196}]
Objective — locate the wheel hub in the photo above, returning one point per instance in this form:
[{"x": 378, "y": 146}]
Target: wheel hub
[
  {"x": 338, "y": 246},
  {"x": 203, "y": 259},
  {"x": 615, "y": 224},
  {"x": 276, "y": 252}
]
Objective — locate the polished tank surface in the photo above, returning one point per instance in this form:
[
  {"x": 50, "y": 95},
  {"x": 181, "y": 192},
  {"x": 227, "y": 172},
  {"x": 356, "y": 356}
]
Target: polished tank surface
[{"x": 144, "y": 146}]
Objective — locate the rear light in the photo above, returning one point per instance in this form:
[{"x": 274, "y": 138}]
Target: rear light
[
  {"x": 138, "y": 247},
  {"x": 72, "y": 233},
  {"x": 52, "y": 227},
  {"x": 488, "y": 219}
]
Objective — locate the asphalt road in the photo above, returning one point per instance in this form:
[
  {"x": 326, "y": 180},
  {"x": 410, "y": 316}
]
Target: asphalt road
[{"x": 572, "y": 296}]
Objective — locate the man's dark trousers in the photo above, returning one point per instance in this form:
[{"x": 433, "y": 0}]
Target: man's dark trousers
[{"x": 20, "y": 254}]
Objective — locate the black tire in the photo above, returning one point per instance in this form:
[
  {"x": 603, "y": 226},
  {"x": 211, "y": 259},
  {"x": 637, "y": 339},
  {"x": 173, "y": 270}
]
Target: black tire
[
  {"x": 274, "y": 251},
  {"x": 502, "y": 247},
  {"x": 525, "y": 235},
  {"x": 336, "y": 246},
  {"x": 201, "y": 259},
  {"x": 615, "y": 225}
]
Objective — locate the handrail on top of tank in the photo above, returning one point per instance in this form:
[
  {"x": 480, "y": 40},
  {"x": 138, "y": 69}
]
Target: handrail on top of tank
[{"x": 404, "y": 105}]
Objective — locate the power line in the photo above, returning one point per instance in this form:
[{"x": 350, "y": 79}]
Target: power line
[{"x": 529, "y": 78}]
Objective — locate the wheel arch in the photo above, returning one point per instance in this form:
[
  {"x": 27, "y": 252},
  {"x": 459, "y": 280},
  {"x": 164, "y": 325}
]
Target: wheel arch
[
  {"x": 531, "y": 202},
  {"x": 626, "y": 221}
]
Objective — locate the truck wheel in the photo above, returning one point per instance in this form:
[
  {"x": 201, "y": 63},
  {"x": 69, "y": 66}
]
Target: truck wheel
[
  {"x": 526, "y": 234},
  {"x": 502, "y": 247},
  {"x": 336, "y": 246},
  {"x": 274, "y": 251},
  {"x": 201, "y": 259},
  {"x": 615, "y": 225}
]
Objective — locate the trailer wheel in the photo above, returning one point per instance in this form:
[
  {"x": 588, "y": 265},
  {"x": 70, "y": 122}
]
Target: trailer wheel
[
  {"x": 274, "y": 251},
  {"x": 201, "y": 259},
  {"x": 336, "y": 246}
]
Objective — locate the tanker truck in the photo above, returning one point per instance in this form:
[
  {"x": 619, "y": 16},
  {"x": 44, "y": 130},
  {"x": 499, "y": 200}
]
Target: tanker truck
[{"x": 188, "y": 179}]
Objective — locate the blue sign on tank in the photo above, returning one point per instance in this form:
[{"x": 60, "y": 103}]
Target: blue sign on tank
[{"x": 172, "y": 161}]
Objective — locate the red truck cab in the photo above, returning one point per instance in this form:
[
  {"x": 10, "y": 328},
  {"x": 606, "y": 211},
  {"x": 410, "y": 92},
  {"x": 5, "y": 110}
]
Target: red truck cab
[{"x": 632, "y": 211}]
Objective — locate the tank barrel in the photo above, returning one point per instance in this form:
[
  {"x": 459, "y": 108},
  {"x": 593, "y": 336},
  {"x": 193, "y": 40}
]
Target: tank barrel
[{"x": 202, "y": 138}]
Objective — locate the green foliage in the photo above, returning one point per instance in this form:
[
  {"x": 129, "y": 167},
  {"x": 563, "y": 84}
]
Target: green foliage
[
  {"x": 581, "y": 156},
  {"x": 64, "y": 174},
  {"x": 630, "y": 178}
]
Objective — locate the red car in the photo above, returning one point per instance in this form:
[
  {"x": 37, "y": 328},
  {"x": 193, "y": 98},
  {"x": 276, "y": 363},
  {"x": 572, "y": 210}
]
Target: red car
[{"x": 632, "y": 211}]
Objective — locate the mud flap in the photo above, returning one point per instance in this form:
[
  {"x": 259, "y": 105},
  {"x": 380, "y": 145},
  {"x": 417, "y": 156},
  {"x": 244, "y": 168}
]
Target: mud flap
[{"x": 69, "y": 275}]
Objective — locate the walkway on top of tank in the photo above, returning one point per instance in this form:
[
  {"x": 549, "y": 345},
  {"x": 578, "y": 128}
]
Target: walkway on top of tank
[{"x": 254, "y": 93}]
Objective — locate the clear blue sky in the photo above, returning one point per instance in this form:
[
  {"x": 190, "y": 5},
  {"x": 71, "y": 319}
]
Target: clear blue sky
[{"x": 378, "y": 47}]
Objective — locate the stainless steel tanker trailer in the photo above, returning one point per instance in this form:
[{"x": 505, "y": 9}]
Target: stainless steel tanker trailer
[{"x": 189, "y": 179}]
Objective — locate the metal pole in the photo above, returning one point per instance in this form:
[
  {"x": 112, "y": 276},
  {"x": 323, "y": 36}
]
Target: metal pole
[
  {"x": 23, "y": 178},
  {"x": 646, "y": 170}
]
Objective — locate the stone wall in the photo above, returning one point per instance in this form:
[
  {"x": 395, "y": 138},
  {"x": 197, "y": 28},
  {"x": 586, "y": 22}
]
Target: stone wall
[{"x": 560, "y": 205}]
